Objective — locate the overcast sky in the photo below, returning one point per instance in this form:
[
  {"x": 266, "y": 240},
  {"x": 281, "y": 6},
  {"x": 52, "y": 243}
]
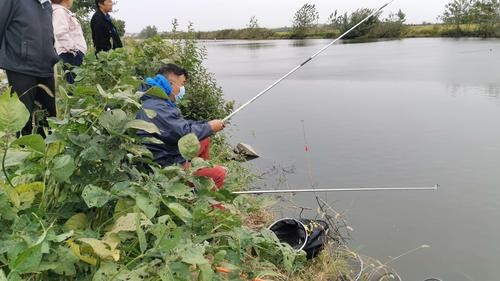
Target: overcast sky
[{"x": 221, "y": 14}]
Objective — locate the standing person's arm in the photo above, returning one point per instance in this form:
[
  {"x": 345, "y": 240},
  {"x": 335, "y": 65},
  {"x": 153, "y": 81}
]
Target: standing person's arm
[
  {"x": 117, "y": 41},
  {"x": 5, "y": 16}
]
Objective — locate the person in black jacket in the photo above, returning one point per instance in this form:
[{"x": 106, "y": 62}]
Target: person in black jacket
[
  {"x": 27, "y": 53},
  {"x": 104, "y": 33}
]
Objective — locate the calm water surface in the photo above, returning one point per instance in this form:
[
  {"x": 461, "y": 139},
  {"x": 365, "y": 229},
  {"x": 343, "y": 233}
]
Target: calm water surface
[{"x": 413, "y": 112}]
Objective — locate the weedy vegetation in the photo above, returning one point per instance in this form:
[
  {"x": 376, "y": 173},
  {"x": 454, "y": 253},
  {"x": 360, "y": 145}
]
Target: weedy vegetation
[{"x": 88, "y": 203}]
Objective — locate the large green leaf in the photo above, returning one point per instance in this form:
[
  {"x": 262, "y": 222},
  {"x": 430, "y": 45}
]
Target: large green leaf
[
  {"x": 143, "y": 125},
  {"x": 66, "y": 262},
  {"x": 164, "y": 273},
  {"x": 189, "y": 146},
  {"x": 63, "y": 167},
  {"x": 114, "y": 121},
  {"x": 128, "y": 222},
  {"x": 180, "y": 269},
  {"x": 138, "y": 150},
  {"x": 15, "y": 158},
  {"x": 28, "y": 260},
  {"x": 122, "y": 206},
  {"x": 150, "y": 113},
  {"x": 206, "y": 272},
  {"x": 108, "y": 270},
  {"x": 63, "y": 237},
  {"x": 180, "y": 212},
  {"x": 34, "y": 142},
  {"x": 199, "y": 163},
  {"x": 35, "y": 187},
  {"x": 14, "y": 276},
  {"x": 94, "y": 153},
  {"x": 11, "y": 194},
  {"x": 77, "y": 222},
  {"x": 194, "y": 254},
  {"x": 95, "y": 196},
  {"x": 146, "y": 205},
  {"x": 157, "y": 92},
  {"x": 124, "y": 98},
  {"x": 13, "y": 113},
  {"x": 81, "y": 140},
  {"x": 27, "y": 193},
  {"x": 102, "y": 249},
  {"x": 7, "y": 211},
  {"x": 141, "y": 236},
  {"x": 179, "y": 191}
]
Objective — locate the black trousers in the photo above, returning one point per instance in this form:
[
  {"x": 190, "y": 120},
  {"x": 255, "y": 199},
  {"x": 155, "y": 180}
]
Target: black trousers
[
  {"x": 20, "y": 84},
  {"x": 70, "y": 61}
]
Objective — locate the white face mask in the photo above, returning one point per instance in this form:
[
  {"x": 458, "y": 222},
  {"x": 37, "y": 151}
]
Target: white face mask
[{"x": 182, "y": 92}]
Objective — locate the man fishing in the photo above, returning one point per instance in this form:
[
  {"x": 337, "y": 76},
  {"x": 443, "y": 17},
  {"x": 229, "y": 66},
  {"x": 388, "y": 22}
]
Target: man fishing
[{"x": 171, "y": 79}]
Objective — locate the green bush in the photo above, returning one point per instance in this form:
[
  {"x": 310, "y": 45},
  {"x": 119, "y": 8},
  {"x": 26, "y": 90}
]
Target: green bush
[
  {"x": 83, "y": 204},
  {"x": 130, "y": 65},
  {"x": 204, "y": 99}
]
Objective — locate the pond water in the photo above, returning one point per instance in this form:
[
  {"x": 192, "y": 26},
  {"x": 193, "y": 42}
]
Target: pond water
[{"x": 413, "y": 112}]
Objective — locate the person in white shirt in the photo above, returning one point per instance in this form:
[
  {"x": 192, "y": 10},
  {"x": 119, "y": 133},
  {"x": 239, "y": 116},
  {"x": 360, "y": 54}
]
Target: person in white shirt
[{"x": 69, "y": 40}]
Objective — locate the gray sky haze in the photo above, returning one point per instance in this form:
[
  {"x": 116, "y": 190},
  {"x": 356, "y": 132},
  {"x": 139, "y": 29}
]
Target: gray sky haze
[{"x": 221, "y": 14}]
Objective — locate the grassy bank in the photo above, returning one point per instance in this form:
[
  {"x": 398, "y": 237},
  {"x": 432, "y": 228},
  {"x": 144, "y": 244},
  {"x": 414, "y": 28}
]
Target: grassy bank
[
  {"x": 378, "y": 32},
  {"x": 446, "y": 30}
]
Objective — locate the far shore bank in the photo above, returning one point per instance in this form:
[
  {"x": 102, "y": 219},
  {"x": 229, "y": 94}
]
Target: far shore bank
[{"x": 326, "y": 32}]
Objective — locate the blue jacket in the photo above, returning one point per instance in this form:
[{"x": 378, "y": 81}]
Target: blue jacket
[
  {"x": 172, "y": 127},
  {"x": 27, "y": 37}
]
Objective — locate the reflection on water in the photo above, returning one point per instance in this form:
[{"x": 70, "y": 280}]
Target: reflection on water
[
  {"x": 488, "y": 50},
  {"x": 410, "y": 112},
  {"x": 302, "y": 43},
  {"x": 489, "y": 90},
  {"x": 252, "y": 45},
  {"x": 493, "y": 90}
]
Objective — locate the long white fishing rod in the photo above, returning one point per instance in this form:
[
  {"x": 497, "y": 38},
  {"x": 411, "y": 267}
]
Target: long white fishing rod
[
  {"x": 305, "y": 62},
  {"x": 433, "y": 188}
]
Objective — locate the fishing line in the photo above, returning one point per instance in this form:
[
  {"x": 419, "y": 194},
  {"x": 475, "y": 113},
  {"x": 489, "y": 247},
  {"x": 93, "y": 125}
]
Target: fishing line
[
  {"x": 308, "y": 158},
  {"x": 309, "y": 162}
]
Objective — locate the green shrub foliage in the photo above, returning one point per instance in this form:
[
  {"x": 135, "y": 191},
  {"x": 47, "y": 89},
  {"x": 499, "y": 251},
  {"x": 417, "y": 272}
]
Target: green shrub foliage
[{"x": 88, "y": 203}]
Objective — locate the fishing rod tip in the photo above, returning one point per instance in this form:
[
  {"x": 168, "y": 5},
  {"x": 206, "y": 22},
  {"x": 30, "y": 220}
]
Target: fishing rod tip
[{"x": 387, "y": 4}]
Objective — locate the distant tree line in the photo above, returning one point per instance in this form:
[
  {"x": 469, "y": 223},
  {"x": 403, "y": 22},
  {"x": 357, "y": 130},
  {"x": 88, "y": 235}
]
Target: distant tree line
[
  {"x": 483, "y": 14},
  {"x": 460, "y": 18},
  {"x": 375, "y": 27},
  {"x": 148, "y": 32}
]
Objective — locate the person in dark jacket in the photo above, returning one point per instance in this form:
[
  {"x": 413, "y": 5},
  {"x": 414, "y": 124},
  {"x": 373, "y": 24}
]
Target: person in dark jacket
[
  {"x": 170, "y": 79},
  {"x": 27, "y": 53},
  {"x": 104, "y": 33}
]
